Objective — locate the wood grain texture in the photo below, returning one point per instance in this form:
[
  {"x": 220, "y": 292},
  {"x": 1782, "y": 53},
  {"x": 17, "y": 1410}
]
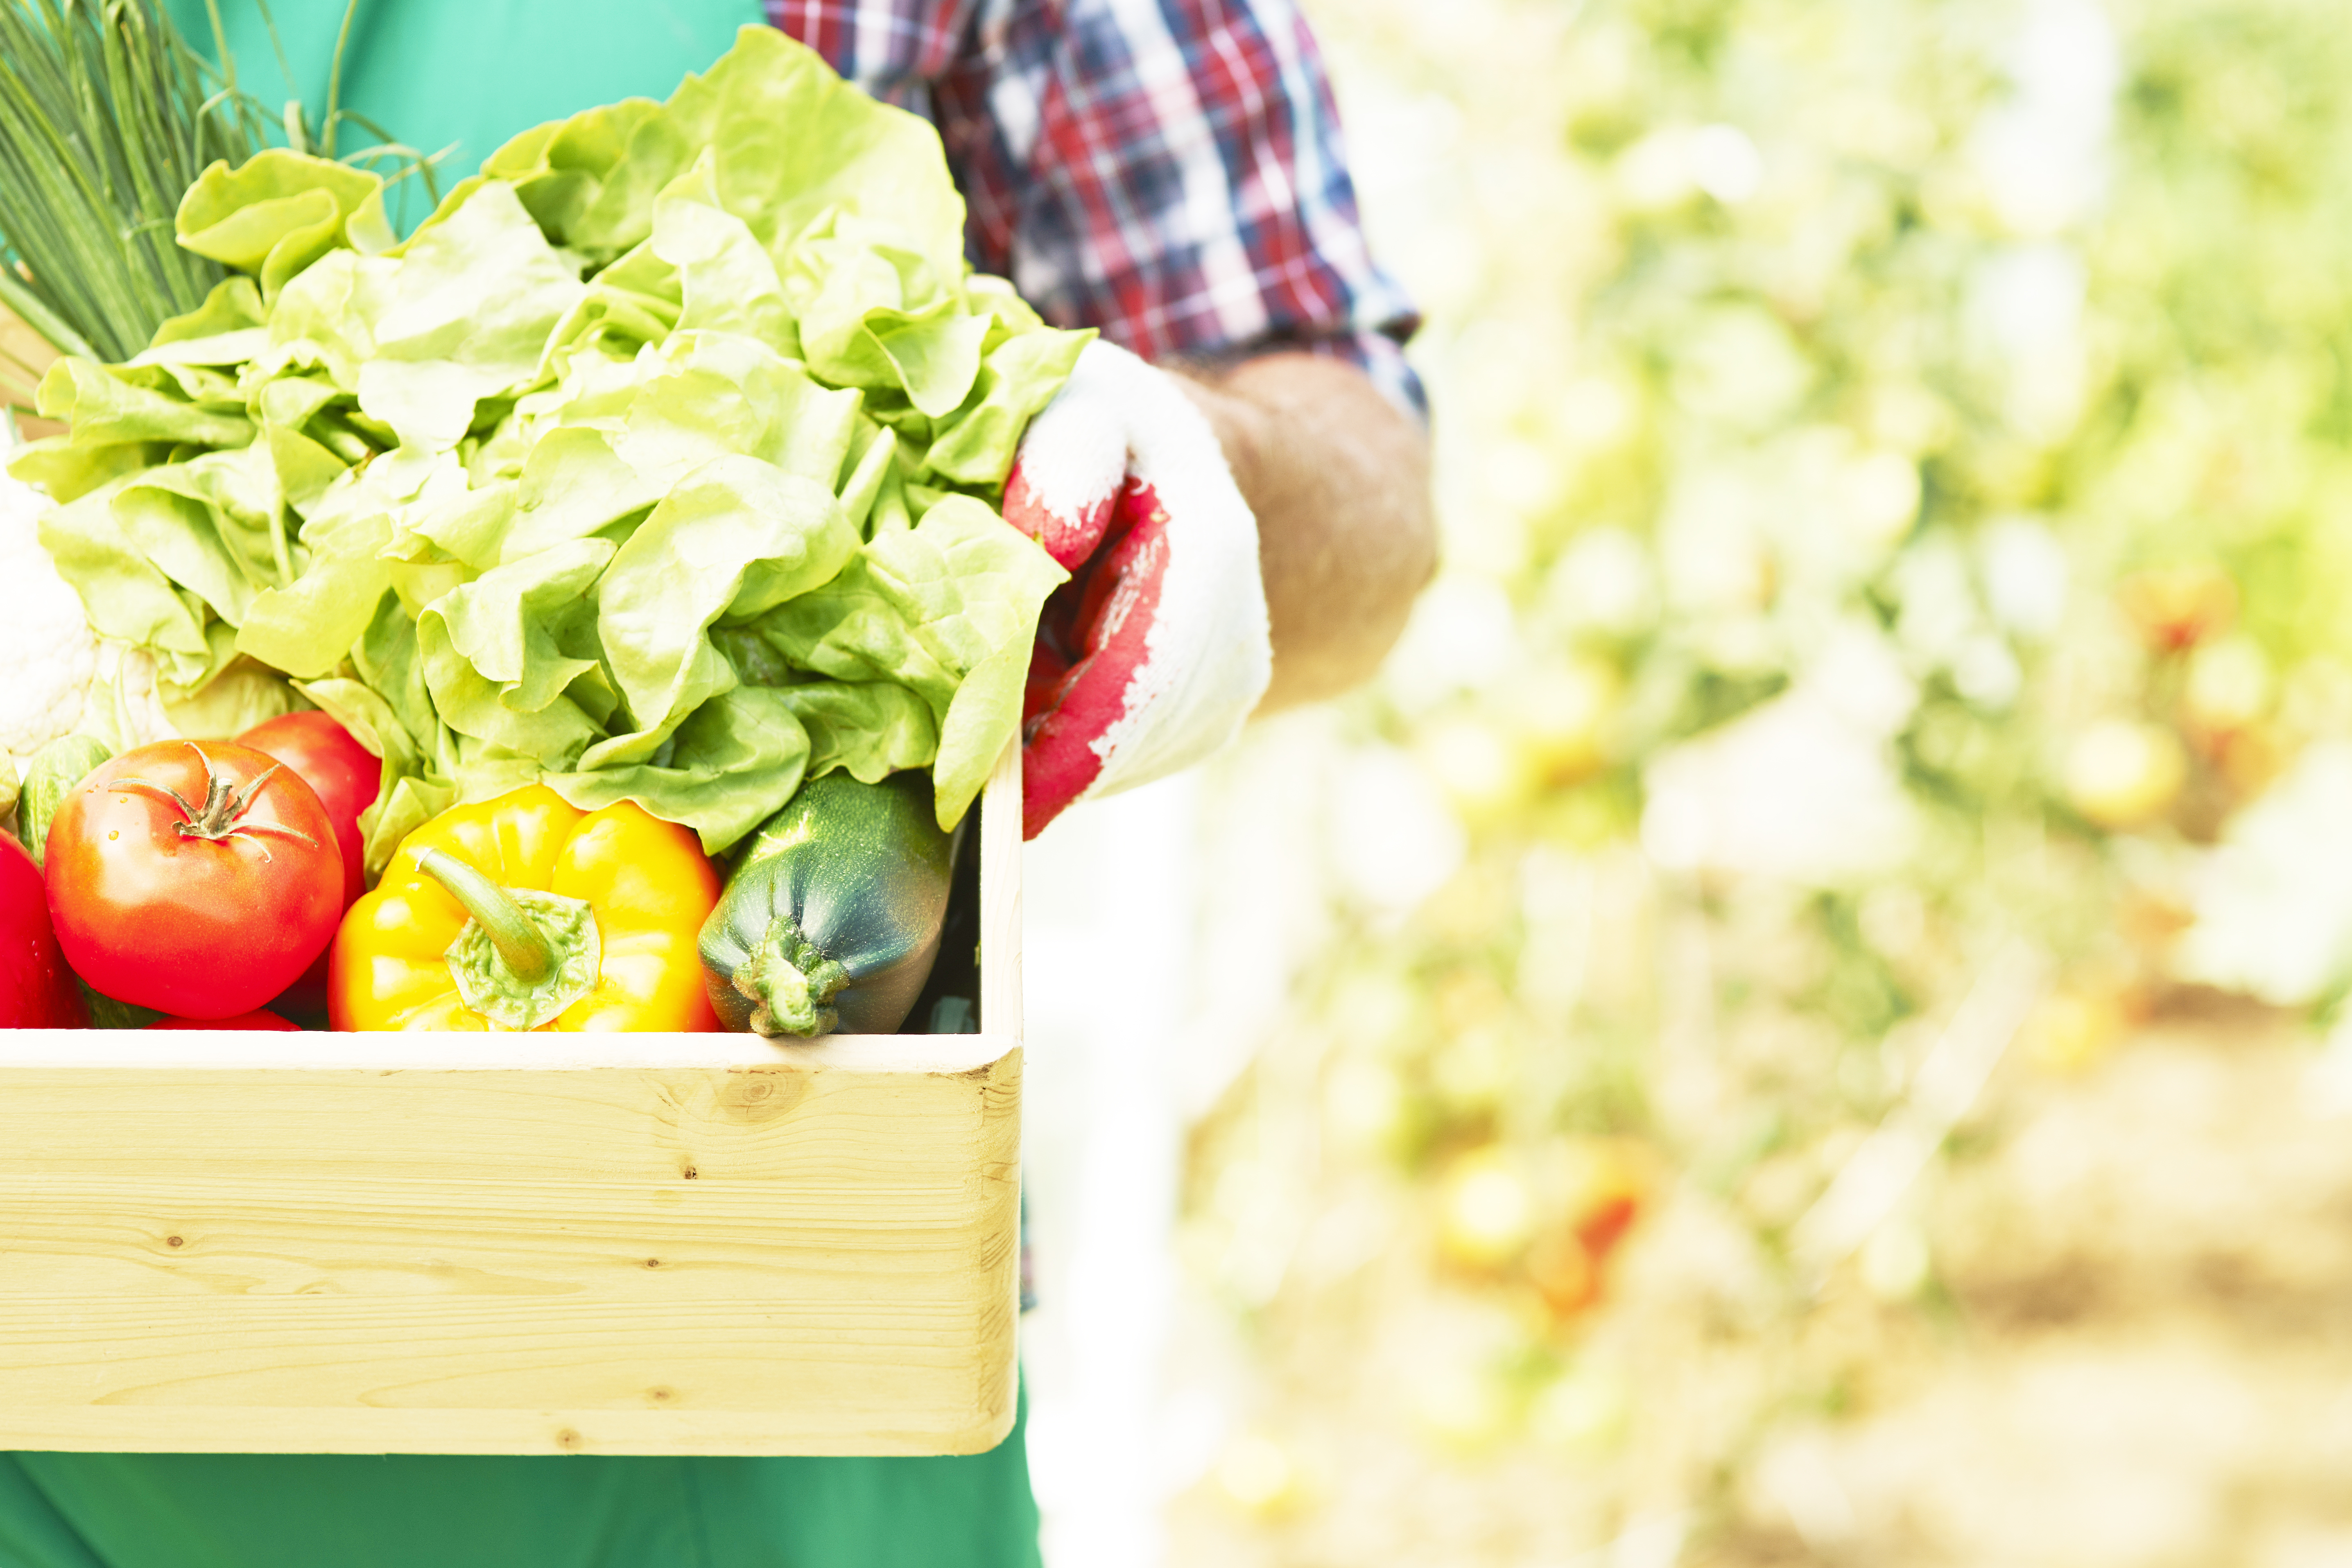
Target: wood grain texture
[{"x": 640, "y": 1245}]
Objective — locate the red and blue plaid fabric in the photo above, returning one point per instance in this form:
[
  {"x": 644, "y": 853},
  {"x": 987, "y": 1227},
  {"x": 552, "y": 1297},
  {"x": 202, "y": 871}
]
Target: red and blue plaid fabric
[{"x": 1168, "y": 171}]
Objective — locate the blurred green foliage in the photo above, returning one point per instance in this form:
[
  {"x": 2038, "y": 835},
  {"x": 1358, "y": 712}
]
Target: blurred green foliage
[{"x": 1892, "y": 462}]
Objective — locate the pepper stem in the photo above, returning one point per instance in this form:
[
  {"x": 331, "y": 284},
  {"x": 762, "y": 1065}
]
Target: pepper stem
[
  {"x": 791, "y": 983},
  {"x": 521, "y": 945}
]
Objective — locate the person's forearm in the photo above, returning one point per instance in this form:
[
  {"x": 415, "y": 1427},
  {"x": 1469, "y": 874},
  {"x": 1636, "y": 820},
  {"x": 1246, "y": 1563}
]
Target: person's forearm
[{"x": 1338, "y": 477}]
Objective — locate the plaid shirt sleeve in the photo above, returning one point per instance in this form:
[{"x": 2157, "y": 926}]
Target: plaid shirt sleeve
[{"x": 1169, "y": 170}]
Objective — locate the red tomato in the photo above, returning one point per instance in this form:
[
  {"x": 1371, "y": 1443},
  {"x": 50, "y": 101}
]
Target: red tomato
[
  {"x": 193, "y": 879},
  {"x": 345, "y": 776},
  {"x": 341, "y": 772},
  {"x": 261, "y": 1018},
  {"x": 36, "y": 989}
]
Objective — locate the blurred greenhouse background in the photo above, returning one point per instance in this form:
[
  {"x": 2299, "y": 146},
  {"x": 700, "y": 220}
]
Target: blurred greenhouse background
[{"x": 1793, "y": 1025}]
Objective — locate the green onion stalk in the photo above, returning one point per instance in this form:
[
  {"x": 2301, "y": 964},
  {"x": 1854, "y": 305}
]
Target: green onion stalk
[{"x": 107, "y": 117}]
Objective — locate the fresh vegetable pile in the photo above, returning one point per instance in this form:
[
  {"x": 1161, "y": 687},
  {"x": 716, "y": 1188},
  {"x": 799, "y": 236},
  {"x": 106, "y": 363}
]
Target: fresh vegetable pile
[
  {"x": 657, "y": 466},
  {"x": 654, "y": 473}
]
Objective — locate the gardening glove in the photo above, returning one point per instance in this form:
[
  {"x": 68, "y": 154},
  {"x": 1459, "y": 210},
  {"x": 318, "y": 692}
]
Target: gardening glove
[{"x": 1155, "y": 651}]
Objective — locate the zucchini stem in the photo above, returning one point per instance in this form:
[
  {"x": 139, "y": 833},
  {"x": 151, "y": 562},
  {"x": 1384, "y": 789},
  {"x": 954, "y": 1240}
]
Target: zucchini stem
[{"x": 790, "y": 983}]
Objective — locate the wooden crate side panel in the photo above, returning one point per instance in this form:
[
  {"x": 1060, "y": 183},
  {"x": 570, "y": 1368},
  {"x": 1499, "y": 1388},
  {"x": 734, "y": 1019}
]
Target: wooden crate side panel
[
  {"x": 839, "y": 1275},
  {"x": 779, "y": 1122},
  {"x": 866, "y": 1362},
  {"x": 722, "y": 1239}
]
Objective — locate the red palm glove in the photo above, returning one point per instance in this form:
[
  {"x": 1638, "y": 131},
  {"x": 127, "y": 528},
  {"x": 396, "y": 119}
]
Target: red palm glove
[{"x": 1155, "y": 651}]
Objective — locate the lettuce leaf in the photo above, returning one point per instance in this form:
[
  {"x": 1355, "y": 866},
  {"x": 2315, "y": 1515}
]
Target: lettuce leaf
[
  {"x": 793, "y": 141},
  {"x": 659, "y": 462},
  {"x": 730, "y": 767},
  {"x": 306, "y": 627},
  {"x": 1016, "y": 380},
  {"x": 872, "y": 729},
  {"x": 494, "y": 653},
  {"x": 105, "y": 404},
  {"x": 243, "y": 694},
  {"x": 727, "y": 283},
  {"x": 280, "y": 211},
  {"x": 325, "y": 320},
  {"x": 472, "y": 303},
  {"x": 736, "y": 534},
  {"x": 590, "y": 179},
  {"x": 948, "y": 610},
  {"x": 234, "y": 306},
  {"x": 123, "y": 593},
  {"x": 68, "y": 472}
]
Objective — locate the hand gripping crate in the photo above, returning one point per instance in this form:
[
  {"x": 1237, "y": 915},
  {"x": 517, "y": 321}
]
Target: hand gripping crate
[{"x": 520, "y": 1244}]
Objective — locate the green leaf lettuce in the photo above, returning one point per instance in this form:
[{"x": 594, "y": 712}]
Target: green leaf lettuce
[{"x": 661, "y": 463}]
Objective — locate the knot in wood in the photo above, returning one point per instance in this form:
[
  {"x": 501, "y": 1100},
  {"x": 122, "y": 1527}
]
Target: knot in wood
[{"x": 761, "y": 1096}]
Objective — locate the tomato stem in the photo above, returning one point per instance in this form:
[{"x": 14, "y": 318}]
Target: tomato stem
[{"x": 223, "y": 814}]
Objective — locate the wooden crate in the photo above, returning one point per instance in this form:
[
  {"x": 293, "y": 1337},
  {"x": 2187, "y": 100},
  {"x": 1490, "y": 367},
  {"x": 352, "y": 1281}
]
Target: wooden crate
[{"x": 520, "y": 1244}]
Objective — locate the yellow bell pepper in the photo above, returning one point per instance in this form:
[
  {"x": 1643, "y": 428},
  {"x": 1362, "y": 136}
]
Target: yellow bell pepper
[{"x": 524, "y": 912}]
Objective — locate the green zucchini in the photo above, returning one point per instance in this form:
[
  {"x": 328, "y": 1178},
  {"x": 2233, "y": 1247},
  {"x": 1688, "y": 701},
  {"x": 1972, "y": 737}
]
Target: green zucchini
[
  {"x": 105, "y": 1012},
  {"x": 830, "y": 918},
  {"x": 51, "y": 775}
]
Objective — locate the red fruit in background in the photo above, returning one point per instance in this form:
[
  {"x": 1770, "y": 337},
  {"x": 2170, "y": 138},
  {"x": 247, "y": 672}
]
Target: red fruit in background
[
  {"x": 198, "y": 879},
  {"x": 2177, "y": 607},
  {"x": 341, "y": 772},
  {"x": 36, "y": 989},
  {"x": 261, "y": 1018},
  {"x": 1606, "y": 1187}
]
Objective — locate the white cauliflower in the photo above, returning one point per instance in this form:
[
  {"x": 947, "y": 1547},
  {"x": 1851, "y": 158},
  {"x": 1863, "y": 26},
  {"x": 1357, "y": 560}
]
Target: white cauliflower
[{"x": 47, "y": 652}]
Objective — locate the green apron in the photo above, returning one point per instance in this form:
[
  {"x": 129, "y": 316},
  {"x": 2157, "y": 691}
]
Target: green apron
[
  {"x": 311, "y": 1510},
  {"x": 475, "y": 73},
  {"x": 472, "y": 72}
]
